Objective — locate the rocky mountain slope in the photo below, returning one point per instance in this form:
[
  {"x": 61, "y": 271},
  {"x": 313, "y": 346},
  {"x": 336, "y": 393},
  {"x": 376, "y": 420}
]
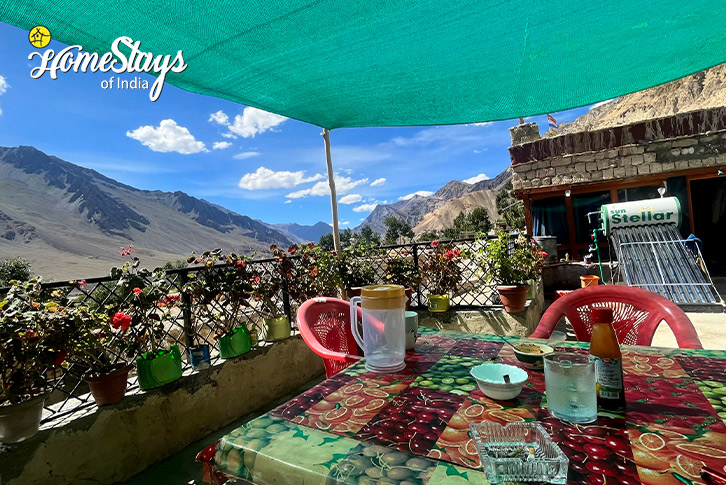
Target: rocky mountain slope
[
  {"x": 704, "y": 89},
  {"x": 301, "y": 234},
  {"x": 69, "y": 221},
  {"x": 437, "y": 211}
]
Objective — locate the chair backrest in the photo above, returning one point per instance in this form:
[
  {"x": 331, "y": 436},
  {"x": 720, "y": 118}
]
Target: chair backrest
[
  {"x": 324, "y": 324},
  {"x": 636, "y": 314}
]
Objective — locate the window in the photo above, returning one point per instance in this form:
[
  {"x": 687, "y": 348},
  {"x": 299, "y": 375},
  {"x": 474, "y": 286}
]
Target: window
[
  {"x": 549, "y": 218},
  {"x": 581, "y": 206}
]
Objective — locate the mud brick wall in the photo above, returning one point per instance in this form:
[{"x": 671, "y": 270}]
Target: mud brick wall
[{"x": 672, "y": 144}]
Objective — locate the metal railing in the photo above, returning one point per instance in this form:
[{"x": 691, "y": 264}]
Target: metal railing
[{"x": 69, "y": 393}]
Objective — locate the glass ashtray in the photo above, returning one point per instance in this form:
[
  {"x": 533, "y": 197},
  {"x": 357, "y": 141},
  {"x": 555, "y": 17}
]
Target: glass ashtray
[{"x": 519, "y": 452}]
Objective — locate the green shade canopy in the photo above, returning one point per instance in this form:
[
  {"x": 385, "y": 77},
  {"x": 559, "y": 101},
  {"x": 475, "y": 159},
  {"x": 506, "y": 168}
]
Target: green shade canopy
[{"x": 345, "y": 63}]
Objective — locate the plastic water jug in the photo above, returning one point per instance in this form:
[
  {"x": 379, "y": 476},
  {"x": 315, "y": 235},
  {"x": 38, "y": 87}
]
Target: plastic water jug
[{"x": 384, "y": 326}]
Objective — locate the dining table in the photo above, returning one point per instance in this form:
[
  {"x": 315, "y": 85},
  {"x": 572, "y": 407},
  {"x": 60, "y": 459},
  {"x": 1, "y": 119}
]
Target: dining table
[{"x": 413, "y": 426}]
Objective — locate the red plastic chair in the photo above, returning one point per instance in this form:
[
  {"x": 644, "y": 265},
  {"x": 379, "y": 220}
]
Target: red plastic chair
[
  {"x": 324, "y": 324},
  {"x": 637, "y": 314}
]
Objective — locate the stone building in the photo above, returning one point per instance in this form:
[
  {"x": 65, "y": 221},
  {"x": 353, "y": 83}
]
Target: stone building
[{"x": 563, "y": 178}]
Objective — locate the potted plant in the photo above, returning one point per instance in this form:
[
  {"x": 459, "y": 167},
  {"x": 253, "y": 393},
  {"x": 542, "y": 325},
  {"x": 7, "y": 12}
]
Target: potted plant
[
  {"x": 95, "y": 341},
  {"x": 31, "y": 341},
  {"x": 267, "y": 287},
  {"x": 441, "y": 273},
  {"x": 219, "y": 291},
  {"x": 141, "y": 320},
  {"x": 355, "y": 268},
  {"x": 512, "y": 262},
  {"x": 402, "y": 270},
  {"x": 326, "y": 267}
]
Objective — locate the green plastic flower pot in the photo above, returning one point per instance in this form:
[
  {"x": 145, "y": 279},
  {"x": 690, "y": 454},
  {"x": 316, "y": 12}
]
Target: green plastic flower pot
[
  {"x": 277, "y": 328},
  {"x": 163, "y": 368},
  {"x": 438, "y": 303},
  {"x": 235, "y": 343}
]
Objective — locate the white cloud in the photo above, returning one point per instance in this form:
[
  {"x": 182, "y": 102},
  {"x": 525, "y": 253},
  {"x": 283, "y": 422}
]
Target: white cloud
[
  {"x": 350, "y": 199},
  {"x": 167, "y": 137},
  {"x": 221, "y": 145},
  {"x": 343, "y": 185},
  {"x": 364, "y": 208},
  {"x": 246, "y": 155},
  {"x": 477, "y": 178},
  {"x": 441, "y": 134},
  {"x": 378, "y": 182},
  {"x": 264, "y": 178},
  {"x": 345, "y": 223},
  {"x": 288, "y": 201},
  {"x": 422, "y": 193},
  {"x": 481, "y": 150},
  {"x": 219, "y": 117},
  {"x": 3, "y": 88}
]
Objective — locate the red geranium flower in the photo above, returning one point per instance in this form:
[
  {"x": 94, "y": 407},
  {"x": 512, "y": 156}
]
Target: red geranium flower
[
  {"x": 60, "y": 357},
  {"x": 138, "y": 291},
  {"x": 457, "y": 253},
  {"x": 434, "y": 243},
  {"x": 449, "y": 255},
  {"x": 239, "y": 264},
  {"x": 121, "y": 320}
]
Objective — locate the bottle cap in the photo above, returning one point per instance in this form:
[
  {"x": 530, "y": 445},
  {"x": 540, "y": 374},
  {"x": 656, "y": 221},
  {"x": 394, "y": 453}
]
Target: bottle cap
[{"x": 602, "y": 315}]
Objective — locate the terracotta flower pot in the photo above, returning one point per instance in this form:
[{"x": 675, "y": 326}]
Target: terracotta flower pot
[
  {"x": 513, "y": 297},
  {"x": 18, "y": 422},
  {"x": 438, "y": 303},
  {"x": 109, "y": 388}
]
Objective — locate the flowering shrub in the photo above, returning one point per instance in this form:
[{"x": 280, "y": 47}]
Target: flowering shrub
[
  {"x": 440, "y": 268},
  {"x": 511, "y": 261},
  {"x": 219, "y": 290},
  {"x": 32, "y": 339}
]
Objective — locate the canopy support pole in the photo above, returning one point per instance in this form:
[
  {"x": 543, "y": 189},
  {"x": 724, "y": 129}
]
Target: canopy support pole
[{"x": 333, "y": 195}]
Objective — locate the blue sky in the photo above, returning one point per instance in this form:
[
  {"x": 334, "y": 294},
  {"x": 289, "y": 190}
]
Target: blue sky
[{"x": 250, "y": 161}]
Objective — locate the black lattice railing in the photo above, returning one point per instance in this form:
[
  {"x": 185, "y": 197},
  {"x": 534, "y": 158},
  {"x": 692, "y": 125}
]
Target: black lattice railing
[{"x": 70, "y": 394}]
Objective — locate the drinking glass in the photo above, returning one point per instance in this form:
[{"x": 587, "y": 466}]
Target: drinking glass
[{"x": 570, "y": 384}]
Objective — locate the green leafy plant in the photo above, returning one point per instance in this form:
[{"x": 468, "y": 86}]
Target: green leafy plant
[
  {"x": 139, "y": 317},
  {"x": 220, "y": 289},
  {"x": 402, "y": 271},
  {"x": 355, "y": 269},
  {"x": 440, "y": 268},
  {"x": 14, "y": 269},
  {"x": 32, "y": 339},
  {"x": 510, "y": 261}
]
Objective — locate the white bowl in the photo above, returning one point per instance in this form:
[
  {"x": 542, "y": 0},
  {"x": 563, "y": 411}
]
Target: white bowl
[{"x": 490, "y": 377}]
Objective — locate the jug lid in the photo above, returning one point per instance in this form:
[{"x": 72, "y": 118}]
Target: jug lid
[{"x": 383, "y": 297}]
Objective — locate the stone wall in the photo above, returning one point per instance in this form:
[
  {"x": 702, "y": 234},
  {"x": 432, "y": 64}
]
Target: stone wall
[
  {"x": 672, "y": 144},
  {"x": 121, "y": 440}
]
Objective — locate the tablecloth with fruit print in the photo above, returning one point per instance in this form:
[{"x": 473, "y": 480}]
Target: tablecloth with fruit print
[{"x": 412, "y": 427}]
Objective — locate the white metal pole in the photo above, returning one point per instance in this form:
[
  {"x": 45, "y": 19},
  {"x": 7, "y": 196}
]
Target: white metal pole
[{"x": 333, "y": 195}]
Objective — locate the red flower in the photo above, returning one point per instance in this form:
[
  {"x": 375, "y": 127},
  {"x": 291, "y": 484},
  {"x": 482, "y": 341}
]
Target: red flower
[
  {"x": 239, "y": 264},
  {"x": 543, "y": 254},
  {"x": 257, "y": 279},
  {"x": 29, "y": 333},
  {"x": 138, "y": 291},
  {"x": 457, "y": 253},
  {"x": 82, "y": 283},
  {"x": 449, "y": 255},
  {"x": 121, "y": 320},
  {"x": 434, "y": 243},
  {"x": 60, "y": 357}
]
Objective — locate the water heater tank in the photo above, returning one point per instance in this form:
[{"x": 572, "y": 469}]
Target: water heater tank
[{"x": 641, "y": 212}]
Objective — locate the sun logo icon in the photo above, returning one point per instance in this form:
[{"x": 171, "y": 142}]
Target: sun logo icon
[{"x": 39, "y": 36}]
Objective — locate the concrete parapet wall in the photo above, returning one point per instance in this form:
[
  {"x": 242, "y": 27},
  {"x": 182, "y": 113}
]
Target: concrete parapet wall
[{"x": 121, "y": 440}]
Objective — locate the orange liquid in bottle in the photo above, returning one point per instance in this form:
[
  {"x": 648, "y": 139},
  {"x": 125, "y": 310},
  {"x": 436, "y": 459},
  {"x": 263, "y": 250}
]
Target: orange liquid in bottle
[{"x": 605, "y": 348}]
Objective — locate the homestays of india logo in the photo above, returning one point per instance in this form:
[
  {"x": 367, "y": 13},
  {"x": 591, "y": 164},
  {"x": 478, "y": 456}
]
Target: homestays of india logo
[{"x": 132, "y": 59}]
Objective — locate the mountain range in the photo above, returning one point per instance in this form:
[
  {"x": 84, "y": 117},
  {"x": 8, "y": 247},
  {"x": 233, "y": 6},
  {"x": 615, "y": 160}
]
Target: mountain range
[
  {"x": 70, "y": 221},
  {"x": 439, "y": 209}
]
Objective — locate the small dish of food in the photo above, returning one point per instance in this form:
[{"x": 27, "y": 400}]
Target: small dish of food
[{"x": 531, "y": 355}]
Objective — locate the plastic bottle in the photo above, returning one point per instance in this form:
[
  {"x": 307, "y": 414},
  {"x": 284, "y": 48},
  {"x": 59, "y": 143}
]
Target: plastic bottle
[{"x": 604, "y": 347}]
